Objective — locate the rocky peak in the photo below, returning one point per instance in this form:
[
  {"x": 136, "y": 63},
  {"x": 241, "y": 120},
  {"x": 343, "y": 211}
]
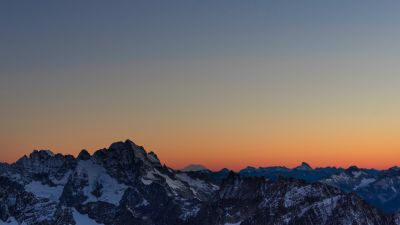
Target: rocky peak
[
  {"x": 123, "y": 185},
  {"x": 238, "y": 187},
  {"x": 84, "y": 155},
  {"x": 43, "y": 165},
  {"x": 41, "y": 154},
  {"x": 127, "y": 148},
  {"x": 125, "y": 160},
  {"x": 304, "y": 167},
  {"x": 394, "y": 168},
  {"x": 128, "y": 152},
  {"x": 235, "y": 179},
  {"x": 352, "y": 169},
  {"x": 152, "y": 157},
  {"x": 225, "y": 170},
  {"x": 392, "y": 172}
]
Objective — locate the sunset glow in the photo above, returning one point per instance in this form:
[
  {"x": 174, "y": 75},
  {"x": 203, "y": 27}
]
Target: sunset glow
[{"x": 228, "y": 85}]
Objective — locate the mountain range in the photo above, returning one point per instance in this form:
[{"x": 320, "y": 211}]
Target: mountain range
[
  {"x": 125, "y": 185},
  {"x": 379, "y": 188}
]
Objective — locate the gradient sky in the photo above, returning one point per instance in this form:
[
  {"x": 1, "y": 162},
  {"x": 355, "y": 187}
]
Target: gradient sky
[{"x": 220, "y": 83}]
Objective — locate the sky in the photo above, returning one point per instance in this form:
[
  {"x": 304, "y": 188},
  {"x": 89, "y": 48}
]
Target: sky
[{"x": 219, "y": 83}]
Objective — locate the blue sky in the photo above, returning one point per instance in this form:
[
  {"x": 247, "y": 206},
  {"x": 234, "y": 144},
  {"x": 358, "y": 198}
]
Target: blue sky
[{"x": 201, "y": 72}]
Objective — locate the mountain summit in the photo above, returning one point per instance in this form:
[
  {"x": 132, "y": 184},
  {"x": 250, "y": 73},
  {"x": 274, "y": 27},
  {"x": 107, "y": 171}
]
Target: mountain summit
[
  {"x": 194, "y": 168},
  {"x": 126, "y": 185},
  {"x": 304, "y": 166}
]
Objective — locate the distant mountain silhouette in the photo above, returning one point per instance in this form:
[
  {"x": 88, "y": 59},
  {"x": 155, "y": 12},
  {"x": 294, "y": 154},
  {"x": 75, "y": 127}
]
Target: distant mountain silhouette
[{"x": 194, "y": 167}]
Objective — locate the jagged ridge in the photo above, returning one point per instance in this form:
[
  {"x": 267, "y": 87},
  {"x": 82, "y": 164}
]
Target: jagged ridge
[{"x": 124, "y": 184}]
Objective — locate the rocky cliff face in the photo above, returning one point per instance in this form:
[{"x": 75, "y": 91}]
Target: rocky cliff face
[
  {"x": 253, "y": 201},
  {"x": 124, "y": 185}
]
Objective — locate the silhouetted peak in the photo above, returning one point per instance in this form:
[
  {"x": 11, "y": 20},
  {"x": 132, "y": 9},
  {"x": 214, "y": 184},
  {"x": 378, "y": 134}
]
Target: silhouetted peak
[
  {"x": 118, "y": 146},
  {"x": 194, "y": 168},
  {"x": 126, "y": 153},
  {"x": 41, "y": 154},
  {"x": 393, "y": 171},
  {"x": 304, "y": 166},
  {"x": 131, "y": 143},
  {"x": 352, "y": 169},
  {"x": 127, "y": 146},
  {"x": 224, "y": 170},
  {"x": 84, "y": 155}
]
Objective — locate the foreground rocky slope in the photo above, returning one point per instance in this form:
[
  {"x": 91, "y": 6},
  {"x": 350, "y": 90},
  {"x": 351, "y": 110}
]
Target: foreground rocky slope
[
  {"x": 253, "y": 201},
  {"x": 125, "y": 185},
  {"x": 380, "y": 188}
]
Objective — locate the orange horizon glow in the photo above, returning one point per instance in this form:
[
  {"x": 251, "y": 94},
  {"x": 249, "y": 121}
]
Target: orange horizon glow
[
  {"x": 227, "y": 84},
  {"x": 237, "y": 156}
]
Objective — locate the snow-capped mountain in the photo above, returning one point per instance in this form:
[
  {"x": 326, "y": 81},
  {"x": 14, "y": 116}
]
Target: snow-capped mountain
[
  {"x": 380, "y": 188},
  {"x": 115, "y": 185},
  {"x": 384, "y": 191},
  {"x": 125, "y": 185},
  {"x": 351, "y": 179},
  {"x": 255, "y": 201},
  {"x": 194, "y": 168}
]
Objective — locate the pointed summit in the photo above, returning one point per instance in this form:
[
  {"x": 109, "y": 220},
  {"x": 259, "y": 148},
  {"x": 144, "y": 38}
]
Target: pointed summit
[
  {"x": 84, "y": 155},
  {"x": 304, "y": 167}
]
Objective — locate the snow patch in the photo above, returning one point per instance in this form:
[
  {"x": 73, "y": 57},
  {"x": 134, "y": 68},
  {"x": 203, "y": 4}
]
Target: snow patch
[
  {"x": 148, "y": 178},
  {"x": 143, "y": 203},
  {"x": 11, "y": 221},
  {"x": 357, "y": 174},
  {"x": 81, "y": 219},
  {"x": 173, "y": 184},
  {"x": 238, "y": 223},
  {"x": 196, "y": 184},
  {"x": 44, "y": 191},
  {"x": 111, "y": 191},
  {"x": 327, "y": 204},
  {"x": 146, "y": 182},
  {"x": 364, "y": 182}
]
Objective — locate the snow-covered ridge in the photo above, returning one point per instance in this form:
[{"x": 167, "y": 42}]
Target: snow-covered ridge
[
  {"x": 126, "y": 185},
  {"x": 108, "y": 189}
]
